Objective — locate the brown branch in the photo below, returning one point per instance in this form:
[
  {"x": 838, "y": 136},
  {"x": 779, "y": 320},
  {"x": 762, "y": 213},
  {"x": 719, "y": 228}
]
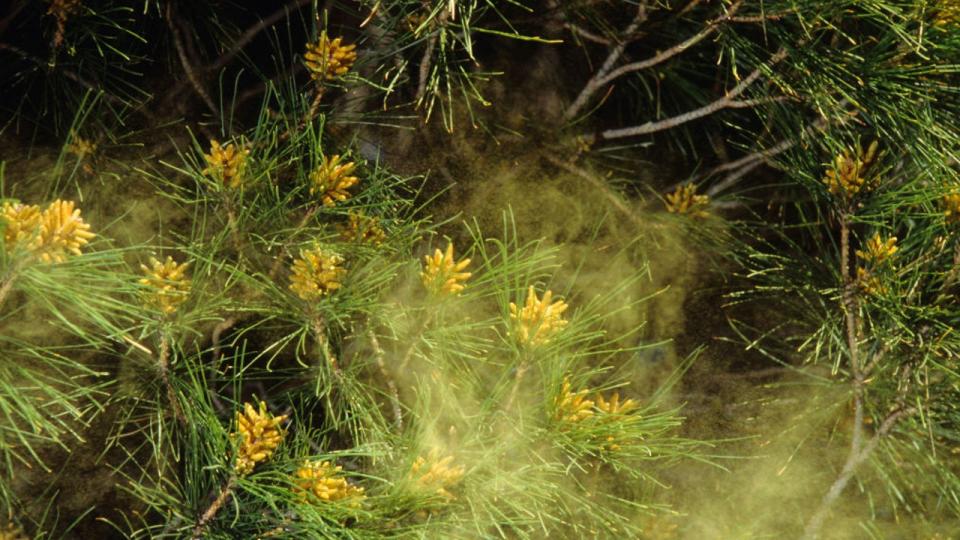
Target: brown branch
[
  {"x": 689, "y": 7},
  {"x": 92, "y": 86},
  {"x": 850, "y": 305},
  {"x": 323, "y": 342},
  {"x": 185, "y": 63},
  {"x": 408, "y": 356},
  {"x": 391, "y": 385},
  {"x": 757, "y": 18},
  {"x": 875, "y": 359},
  {"x": 518, "y": 378},
  {"x": 164, "y": 362},
  {"x": 854, "y": 460},
  {"x": 8, "y": 281},
  {"x": 250, "y": 33},
  {"x": 605, "y": 75},
  {"x": 245, "y": 38},
  {"x": 592, "y": 85},
  {"x": 859, "y": 452},
  {"x": 615, "y": 200},
  {"x": 215, "y": 507},
  {"x": 748, "y": 103},
  {"x": 586, "y": 34},
  {"x": 709, "y": 28},
  {"x": 744, "y": 165},
  {"x": 426, "y": 62},
  {"x": 727, "y": 101},
  {"x": 15, "y": 10},
  {"x": 262, "y": 86},
  {"x": 284, "y": 251}
]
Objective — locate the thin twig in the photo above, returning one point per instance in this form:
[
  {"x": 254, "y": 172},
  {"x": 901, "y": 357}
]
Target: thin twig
[
  {"x": 586, "y": 34},
  {"x": 606, "y": 74},
  {"x": 391, "y": 385},
  {"x": 323, "y": 342},
  {"x": 592, "y": 85},
  {"x": 854, "y": 460},
  {"x": 15, "y": 10},
  {"x": 314, "y": 105},
  {"x": 709, "y": 28},
  {"x": 284, "y": 252},
  {"x": 247, "y": 36},
  {"x": 187, "y": 66},
  {"x": 689, "y": 7},
  {"x": 858, "y": 452},
  {"x": 422, "y": 325},
  {"x": 426, "y": 62},
  {"x": 757, "y": 18},
  {"x": 215, "y": 507},
  {"x": 615, "y": 200},
  {"x": 164, "y": 362},
  {"x": 8, "y": 280},
  {"x": 215, "y": 339},
  {"x": 742, "y": 166},
  {"x": 518, "y": 378},
  {"x": 727, "y": 101}
]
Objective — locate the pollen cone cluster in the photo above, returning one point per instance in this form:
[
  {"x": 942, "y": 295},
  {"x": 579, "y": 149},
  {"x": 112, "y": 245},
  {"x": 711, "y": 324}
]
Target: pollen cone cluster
[
  {"x": 21, "y": 224},
  {"x": 329, "y": 59},
  {"x": 442, "y": 274},
  {"x": 325, "y": 482},
  {"x": 947, "y": 13},
  {"x": 364, "y": 229},
  {"x": 951, "y": 208},
  {"x": 539, "y": 319},
  {"x": 870, "y": 282},
  {"x": 660, "y": 527},
  {"x": 575, "y": 407},
  {"x": 435, "y": 474},
  {"x": 316, "y": 273},
  {"x": 848, "y": 175},
  {"x": 259, "y": 434},
  {"x": 12, "y": 532},
  {"x": 613, "y": 407},
  {"x": 62, "y": 232},
  {"x": 61, "y": 11},
  {"x": 80, "y": 147},
  {"x": 878, "y": 250},
  {"x": 686, "y": 201},
  {"x": 332, "y": 179},
  {"x": 51, "y": 235},
  {"x": 572, "y": 407},
  {"x": 226, "y": 164},
  {"x": 167, "y": 283}
]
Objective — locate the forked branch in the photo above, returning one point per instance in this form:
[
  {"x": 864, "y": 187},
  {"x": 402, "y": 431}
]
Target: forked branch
[{"x": 728, "y": 101}]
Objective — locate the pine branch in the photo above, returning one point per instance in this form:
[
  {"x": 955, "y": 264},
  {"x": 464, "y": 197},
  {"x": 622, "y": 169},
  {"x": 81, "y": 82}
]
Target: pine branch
[
  {"x": 855, "y": 459},
  {"x": 859, "y": 452},
  {"x": 251, "y": 33},
  {"x": 380, "y": 355},
  {"x": 729, "y": 100},
  {"x": 164, "y": 363},
  {"x": 426, "y": 61},
  {"x": 608, "y": 193},
  {"x": 593, "y": 85},
  {"x": 211, "y": 512},
  {"x": 586, "y": 34},
  {"x": 188, "y": 68}
]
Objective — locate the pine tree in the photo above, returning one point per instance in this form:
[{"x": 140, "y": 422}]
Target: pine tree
[{"x": 231, "y": 282}]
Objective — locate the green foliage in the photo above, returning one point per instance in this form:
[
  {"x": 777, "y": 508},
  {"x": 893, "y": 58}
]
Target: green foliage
[{"x": 257, "y": 180}]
